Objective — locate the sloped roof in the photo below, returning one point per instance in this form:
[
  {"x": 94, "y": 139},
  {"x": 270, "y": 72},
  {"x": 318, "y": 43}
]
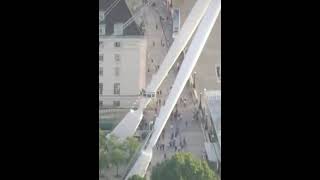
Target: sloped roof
[{"x": 120, "y": 13}]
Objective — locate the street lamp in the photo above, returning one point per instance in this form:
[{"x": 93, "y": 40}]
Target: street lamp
[{"x": 194, "y": 80}]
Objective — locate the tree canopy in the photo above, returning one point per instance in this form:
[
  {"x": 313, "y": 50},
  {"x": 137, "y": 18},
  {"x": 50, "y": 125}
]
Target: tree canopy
[
  {"x": 131, "y": 144},
  {"x": 183, "y": 166},
  {"x": 115, "y": 152},
  {"x": 136, "y": 177}
]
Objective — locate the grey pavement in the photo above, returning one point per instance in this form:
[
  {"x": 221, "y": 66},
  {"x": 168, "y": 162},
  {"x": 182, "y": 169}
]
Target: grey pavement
[
  {"x": 211, "y": 54},
  {"x": 193, "y": 132},
  {"x": 157, "y": 33}
]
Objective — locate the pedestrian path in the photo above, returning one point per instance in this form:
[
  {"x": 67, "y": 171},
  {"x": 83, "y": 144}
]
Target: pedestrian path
[
  {"x": 194, "y": 18},
  {"x": 196, "y": 46},
  {"x": 189, "y": 129}
]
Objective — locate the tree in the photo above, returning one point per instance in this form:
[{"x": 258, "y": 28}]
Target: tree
[
  {"x": 136, "y": 177},
  {"x": 131, "y": 144},
  {"x": 118, "y": 157},
  {"x": 183, "y": 166},
  {"x": 117, "y": 152},
  {"x": 103, "y": 160},
  {"x": 114, "y": 151},
  {"x": 102, "y": 140},
  {"x": 103, "y": 153}
]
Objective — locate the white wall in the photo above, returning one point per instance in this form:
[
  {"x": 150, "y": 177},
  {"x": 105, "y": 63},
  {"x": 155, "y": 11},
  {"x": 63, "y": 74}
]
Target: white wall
[{"x": 132, "y": 64}]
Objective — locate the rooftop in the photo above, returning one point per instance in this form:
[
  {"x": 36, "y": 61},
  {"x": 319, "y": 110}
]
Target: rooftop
[
  {"x": 214, "y": 106},
  {"x": 120, "y": 13}
]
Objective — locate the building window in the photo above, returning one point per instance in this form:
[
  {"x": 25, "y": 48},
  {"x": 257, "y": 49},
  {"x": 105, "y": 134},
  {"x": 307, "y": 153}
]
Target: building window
[
  {"x": 117, "y": 44},
  {"x": 218, "y": 72},
  {"x": 100, "y": 104},
  {"x": 118, "y": 29},
  {"x": 116, "y": 88},
  {"x": 117, "y": 57},
  {"x": 101, "y": 58},
  {"x": 101, "y": 44},
  {"x": 100, "y": 88},
  {"x": 101, "y": 16},
  {"x": 117, "y": 71},
  {"x": 100, "y": 71},
  {"x": 116, "y": 103},
  {"x": 102, "y": 29}
]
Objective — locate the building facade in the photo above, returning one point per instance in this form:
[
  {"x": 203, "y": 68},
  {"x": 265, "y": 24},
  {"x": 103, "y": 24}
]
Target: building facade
[
  {"x": 122, "y": 59},
  {"x": 121, "y": 70}
]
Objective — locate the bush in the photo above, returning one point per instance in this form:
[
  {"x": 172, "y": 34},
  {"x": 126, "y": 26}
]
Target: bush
[
  {"x": 183, "y": 166},
  {"x": 136, "y": 177}
]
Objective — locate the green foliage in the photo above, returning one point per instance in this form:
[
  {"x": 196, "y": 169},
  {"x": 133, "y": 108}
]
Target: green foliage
[
  {"x": 112, "y": 150},
  {"x": 103, "y": 154},
  {"x": 183, "y": 166},
  {"x": 136, "y": 177},
  {"x": 102, "y": 139},
  {"x": 118, "y": 157},
  {"x": 132, "y": 145}
]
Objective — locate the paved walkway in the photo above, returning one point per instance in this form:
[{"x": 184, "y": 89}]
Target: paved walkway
[
  {"x": 187, "y": 128},
  {"x": 211, "y": 54},
  {"x": 194, "y": 134},
  {"x": 156, "y": 34}
]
